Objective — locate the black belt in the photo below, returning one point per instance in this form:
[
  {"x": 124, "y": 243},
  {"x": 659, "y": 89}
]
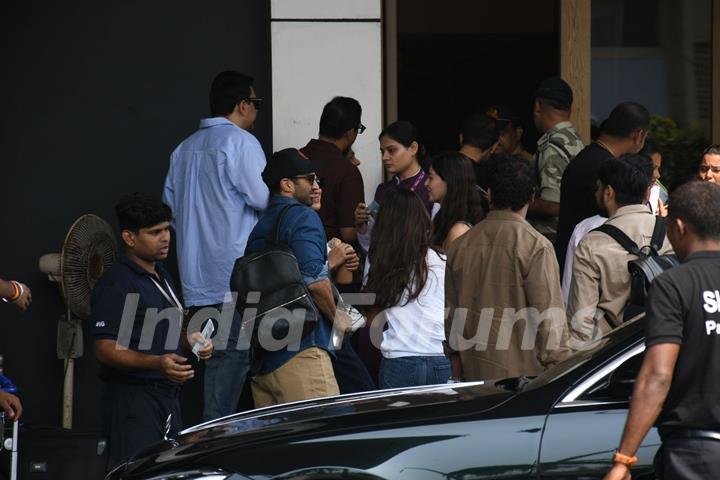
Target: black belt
[{"x": 677, "y": 433}]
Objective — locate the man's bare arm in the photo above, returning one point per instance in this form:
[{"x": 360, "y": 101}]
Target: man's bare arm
[
  {"x": 651, "y": 389},
  {"x": 540, "y": 208},
  {"x": 171, "y": 365}
]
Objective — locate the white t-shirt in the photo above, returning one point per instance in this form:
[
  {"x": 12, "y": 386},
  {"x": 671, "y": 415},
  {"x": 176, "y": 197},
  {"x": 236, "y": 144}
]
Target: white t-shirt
[
  {"x": 581, "y": 229},
  {"x": 418, "y": 328}
]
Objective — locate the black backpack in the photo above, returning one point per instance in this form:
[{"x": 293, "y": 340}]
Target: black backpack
[
  {"x": 646, "y": 267},
  {"x": 270, "y": 280}
]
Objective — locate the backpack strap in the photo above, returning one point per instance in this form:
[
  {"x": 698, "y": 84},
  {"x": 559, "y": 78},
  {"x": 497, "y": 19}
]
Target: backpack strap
[
  {"x": 620, "y": 237},
  {"x": 562, "y": 148},
  {"x": 557, "y": 144},
  {"x": 276, "y": 229},
  {"x": 658, "y": 235}
]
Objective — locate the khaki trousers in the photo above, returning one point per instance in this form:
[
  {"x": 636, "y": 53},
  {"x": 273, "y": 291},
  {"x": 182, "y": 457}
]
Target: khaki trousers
[{"x": 309, "y": 374}]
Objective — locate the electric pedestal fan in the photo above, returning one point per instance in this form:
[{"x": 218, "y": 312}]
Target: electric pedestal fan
[{"x": 88, "y": 250}]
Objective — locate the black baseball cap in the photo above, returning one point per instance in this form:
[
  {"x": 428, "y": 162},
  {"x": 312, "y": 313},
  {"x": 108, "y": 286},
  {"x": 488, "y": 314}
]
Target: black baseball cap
[
  {"x": 503, "y": 115},
  {"x": 287, "y": 163},
  {"x": 556, "y": 90}
]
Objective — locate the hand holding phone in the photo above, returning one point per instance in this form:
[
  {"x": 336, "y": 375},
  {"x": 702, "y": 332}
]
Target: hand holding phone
[{"x": 205, "y": 335}]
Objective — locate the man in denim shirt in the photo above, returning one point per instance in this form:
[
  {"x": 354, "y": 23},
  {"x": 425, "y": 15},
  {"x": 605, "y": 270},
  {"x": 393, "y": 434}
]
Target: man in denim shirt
[{"x": 301, "y": 370}]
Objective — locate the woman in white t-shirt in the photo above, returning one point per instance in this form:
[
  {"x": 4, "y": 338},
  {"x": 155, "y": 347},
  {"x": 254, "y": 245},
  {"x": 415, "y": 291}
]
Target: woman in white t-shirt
[{"x": 408, "y": 277}]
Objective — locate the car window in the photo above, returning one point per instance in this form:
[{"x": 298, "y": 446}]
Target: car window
[
  {"x": 592, "y": 350},
  {"x": 617, "y": 385}
]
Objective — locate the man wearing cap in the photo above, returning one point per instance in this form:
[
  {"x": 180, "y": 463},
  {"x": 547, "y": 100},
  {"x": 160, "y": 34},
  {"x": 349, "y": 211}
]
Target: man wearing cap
[
  {"x": 623, "y": 132},
  {"x": 511, "y": 131},
  {"x": 216, "y": 194},
  {"x": 292, "y": 374},
  {"x": 555, "y": 149}
]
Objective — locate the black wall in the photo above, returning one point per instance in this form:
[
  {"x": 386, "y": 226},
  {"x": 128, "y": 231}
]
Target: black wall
[
  {"x": 442, "y": 78},
  {"x": 94, "y": 97}
]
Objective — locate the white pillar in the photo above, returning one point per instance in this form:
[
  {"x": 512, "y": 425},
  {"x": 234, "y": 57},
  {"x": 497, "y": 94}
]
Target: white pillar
[{"x": 322, "y": 49}]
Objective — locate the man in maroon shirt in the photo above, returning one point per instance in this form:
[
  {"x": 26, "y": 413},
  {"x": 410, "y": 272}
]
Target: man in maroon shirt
[{"x": 342, "y": 184}]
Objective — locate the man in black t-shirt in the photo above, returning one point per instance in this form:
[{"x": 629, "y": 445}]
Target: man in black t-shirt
[
  {"x": 677, "y": 387},
  {"x": 623, "y": 132}
]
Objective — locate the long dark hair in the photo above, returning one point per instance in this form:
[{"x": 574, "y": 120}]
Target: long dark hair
[
  {"x": 398, "y": 248},
  {"x": 405, "y": 133},
  {"x": 462, "y": 200}
]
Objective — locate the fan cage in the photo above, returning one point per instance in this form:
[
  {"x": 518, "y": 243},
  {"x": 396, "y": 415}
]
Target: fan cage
[{"x": 89, "y": 249}]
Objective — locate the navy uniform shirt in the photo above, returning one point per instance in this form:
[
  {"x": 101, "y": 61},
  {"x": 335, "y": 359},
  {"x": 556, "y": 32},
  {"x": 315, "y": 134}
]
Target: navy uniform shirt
[{"x": 110, "y": 299}]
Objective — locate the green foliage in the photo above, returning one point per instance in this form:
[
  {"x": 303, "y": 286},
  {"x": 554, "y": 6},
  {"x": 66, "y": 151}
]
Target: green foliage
[{"x": 680, "y": 147}]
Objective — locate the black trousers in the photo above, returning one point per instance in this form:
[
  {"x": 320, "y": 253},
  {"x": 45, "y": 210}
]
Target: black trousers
[
  {"x": 350, "y": 372},
  {"x": 135, "y": 415},
  {"x": 688, "y": 459}
]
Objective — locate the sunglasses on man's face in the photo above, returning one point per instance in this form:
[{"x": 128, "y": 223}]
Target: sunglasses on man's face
[
  {"x": 256, "y": 101},
  {"x": 360, "y": 128},
  {"x": 311, "y": 177}
]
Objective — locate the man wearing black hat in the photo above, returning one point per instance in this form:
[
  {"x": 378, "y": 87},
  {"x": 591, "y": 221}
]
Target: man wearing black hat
[
  {"x": 305, "y": 371},
  {"x": 511, "y": 131},
  {"x": 623, "y": 132},
  {"x": 555, "y": 149}
]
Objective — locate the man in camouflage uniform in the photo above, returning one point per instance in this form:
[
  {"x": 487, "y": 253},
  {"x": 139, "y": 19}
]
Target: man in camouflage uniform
[{"x": 558, "y": 145}]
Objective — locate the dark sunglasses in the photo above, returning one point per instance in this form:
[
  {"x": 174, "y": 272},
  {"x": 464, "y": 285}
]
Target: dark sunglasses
[
  {"x": 360, "y": 128},
  {"x": 257, "y": 101},
  {"x": 312, "y": 178}
]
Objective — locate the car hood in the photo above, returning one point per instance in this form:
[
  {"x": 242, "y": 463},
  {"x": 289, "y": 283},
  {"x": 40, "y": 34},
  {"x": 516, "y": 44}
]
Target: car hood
[{"x": 273, "y": 423}]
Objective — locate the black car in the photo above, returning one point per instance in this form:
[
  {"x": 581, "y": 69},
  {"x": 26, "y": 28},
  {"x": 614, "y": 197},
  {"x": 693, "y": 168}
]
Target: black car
[{"x": 562, "y": 424}]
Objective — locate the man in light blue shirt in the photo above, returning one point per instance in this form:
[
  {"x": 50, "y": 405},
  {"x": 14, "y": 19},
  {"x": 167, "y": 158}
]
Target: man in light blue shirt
[{"x": 215, "y": 189}]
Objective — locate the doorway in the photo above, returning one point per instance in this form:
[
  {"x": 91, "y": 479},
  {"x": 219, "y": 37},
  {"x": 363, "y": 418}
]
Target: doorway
[{"x": 458, "y": 57}]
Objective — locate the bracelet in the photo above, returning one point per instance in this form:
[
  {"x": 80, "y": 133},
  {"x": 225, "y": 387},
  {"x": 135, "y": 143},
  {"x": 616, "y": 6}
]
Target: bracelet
[
  {"x": 18, "y": 291},
  {"x": 624, "y": 459}
]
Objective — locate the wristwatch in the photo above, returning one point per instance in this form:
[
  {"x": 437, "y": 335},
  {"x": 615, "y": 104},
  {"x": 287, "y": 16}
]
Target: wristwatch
[{"x": 624, "y": 459}]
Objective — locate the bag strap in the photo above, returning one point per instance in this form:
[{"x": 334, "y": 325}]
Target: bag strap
[
  {"x": 658, "y": 236},
  {"x": 557, "y": 144},
  {"x": 276, "y": 227},
  {"x": 620, "y": 237},
  {"x": 562, "y": 148}
]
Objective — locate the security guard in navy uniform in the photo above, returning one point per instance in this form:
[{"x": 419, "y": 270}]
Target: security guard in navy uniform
[
  {"x": 141, "y": 376},
  {"x": 558, "y": 145}
]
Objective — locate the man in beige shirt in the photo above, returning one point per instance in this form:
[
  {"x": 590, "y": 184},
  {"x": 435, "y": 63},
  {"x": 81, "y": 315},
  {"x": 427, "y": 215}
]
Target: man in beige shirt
[
  {"x": 502, "y": 287},
  {"x": 600, "y": 285}
]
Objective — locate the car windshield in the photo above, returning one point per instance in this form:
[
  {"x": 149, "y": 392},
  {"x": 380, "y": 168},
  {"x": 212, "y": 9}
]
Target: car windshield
[{"x": 593, "y": 349}]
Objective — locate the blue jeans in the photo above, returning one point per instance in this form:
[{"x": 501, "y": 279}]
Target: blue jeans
[
  {"x": 225, "y": 374},
  {"x": 413, "y": 371}
]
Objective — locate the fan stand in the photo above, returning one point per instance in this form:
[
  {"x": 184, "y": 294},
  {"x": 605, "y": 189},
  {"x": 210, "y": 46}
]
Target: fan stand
[
  {"x": 68, "y": 385},
  {"x": 89, "y": 248},
  {"x": 69, "y": 348}
]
